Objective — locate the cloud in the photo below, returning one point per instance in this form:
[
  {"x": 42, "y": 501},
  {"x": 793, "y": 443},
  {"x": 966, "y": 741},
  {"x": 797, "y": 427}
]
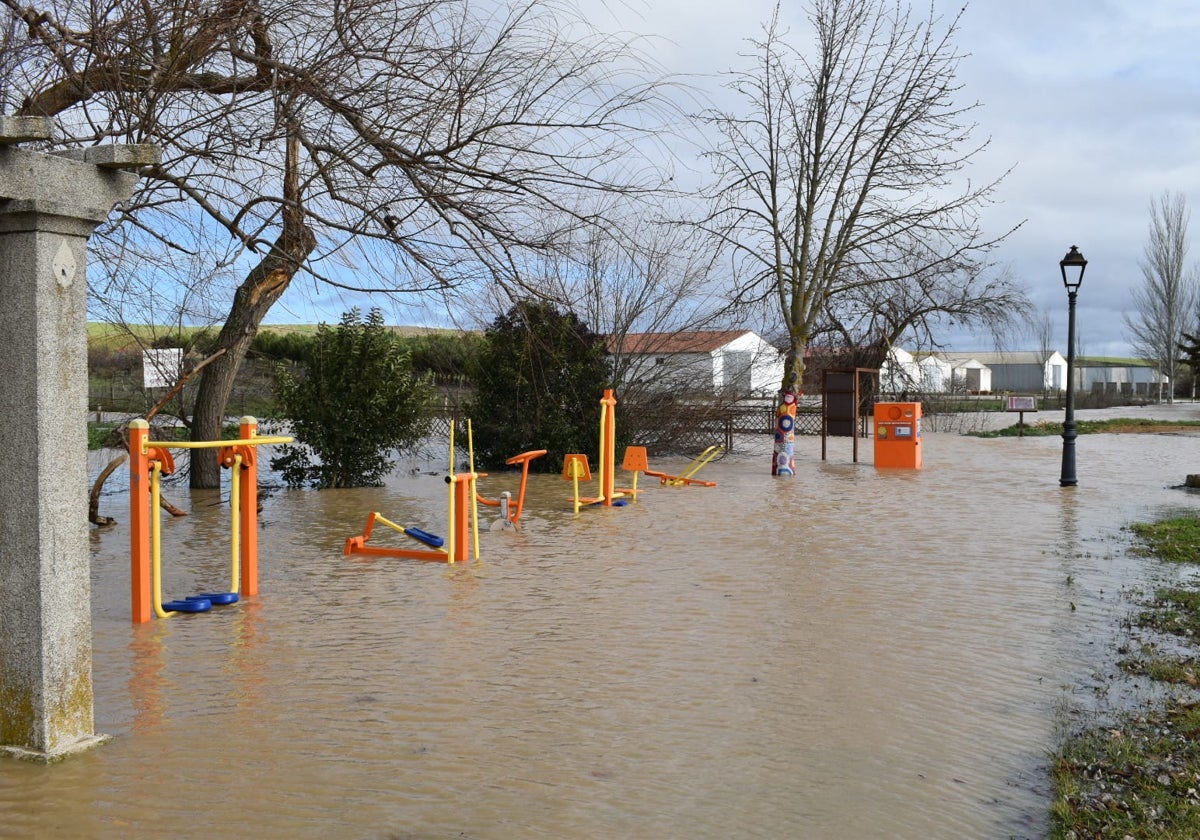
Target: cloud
[{"x": 1095, "y": 104}]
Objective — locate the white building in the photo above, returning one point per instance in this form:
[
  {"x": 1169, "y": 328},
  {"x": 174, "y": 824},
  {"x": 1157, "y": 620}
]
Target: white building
[
  {"x": 933, "y": 373},
  {"x": 1128, "y": 377},
  {"x": 1034, "y": 371},
  {"x": 1017, "y": 371},
  {"x": 1025, "y": 371},
  {"x": 735, "y": 363}
]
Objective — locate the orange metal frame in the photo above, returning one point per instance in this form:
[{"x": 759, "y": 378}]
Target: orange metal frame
[
  {"x": 462, "y": 516},
  {"x": 142, "y": 454},
  {"x": 514, "y": 510},
  {"x": 460, "y": 550},
  {"x": 575, "y": 466},
  {"x": 636, "y": 461}
]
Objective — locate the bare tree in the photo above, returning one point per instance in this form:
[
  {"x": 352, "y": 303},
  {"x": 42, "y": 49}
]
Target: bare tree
[
  {"x": 1041, "y": 328},
  {"x": 872, "y": 318},
  {"x": 839, "y": 174},
  {"x": 380, "y": 146},
  {"x": 651, "y": 277},
  {"x": 1165, "y": 304}
]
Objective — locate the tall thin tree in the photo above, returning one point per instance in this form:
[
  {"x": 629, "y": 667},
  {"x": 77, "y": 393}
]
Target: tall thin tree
[{"x": 1164, "y": 305}]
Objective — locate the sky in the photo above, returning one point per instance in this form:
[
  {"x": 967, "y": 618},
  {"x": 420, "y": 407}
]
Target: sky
[{"x": 1093, "y": 104}]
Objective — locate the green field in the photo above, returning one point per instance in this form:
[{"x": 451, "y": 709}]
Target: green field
[{"x": 102, "y": 336}]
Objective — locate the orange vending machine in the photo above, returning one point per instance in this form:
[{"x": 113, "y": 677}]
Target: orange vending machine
[{"x": 898, "y": 435}]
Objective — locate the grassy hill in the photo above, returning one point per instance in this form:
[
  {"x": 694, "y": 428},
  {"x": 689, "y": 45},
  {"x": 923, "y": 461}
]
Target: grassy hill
[{"x": 103, "y": 336}]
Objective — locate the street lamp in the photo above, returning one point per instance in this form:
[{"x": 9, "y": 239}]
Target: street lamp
[{"x": 1072, "y": 261}]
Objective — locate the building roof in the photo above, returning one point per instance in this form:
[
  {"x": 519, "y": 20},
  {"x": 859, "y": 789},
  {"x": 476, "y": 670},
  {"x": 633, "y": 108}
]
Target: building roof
[
  {"x": 1009, "y": 357},
  {"x": 1112, "y": 361},
  {"x": 952, "y": 359},
  {"x": 1036, "y": 357},
  {"x": 664, "y": 343}
]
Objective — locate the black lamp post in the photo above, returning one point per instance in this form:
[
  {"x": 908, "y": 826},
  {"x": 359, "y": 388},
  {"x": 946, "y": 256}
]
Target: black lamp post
[{"x": 1070, "y": 263}]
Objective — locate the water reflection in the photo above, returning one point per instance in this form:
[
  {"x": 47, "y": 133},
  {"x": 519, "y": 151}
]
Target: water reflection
[
  {"x": 853, "y": 653},
  {"x": 147, "y": 677}
]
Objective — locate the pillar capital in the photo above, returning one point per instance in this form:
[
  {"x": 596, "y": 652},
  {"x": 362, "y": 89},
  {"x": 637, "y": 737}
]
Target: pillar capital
[
  {"x": 24, "y": 129},
  {"x": 61, "y": 185}
]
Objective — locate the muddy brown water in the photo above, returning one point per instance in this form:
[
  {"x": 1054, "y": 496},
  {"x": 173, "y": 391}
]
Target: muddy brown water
[{"x": 854, "y": 653}]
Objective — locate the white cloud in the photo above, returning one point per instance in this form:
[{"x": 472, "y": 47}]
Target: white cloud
[{"x": 1098, "y": 104}]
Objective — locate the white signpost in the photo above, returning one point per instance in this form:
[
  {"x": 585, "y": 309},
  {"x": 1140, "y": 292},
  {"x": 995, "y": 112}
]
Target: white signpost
[{"x": 161, "y": 368}]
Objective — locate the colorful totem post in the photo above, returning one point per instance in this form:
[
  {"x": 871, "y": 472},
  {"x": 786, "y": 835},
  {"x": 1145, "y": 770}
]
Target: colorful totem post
[{"x": 784, "y": 460}]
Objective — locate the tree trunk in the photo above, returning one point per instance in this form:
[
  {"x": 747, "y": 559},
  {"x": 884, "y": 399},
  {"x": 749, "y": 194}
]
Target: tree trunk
[
  {"x": 793, "y": 366},
  {"x": 263, "y": 286},
  {"x": 94, "y": 499}
]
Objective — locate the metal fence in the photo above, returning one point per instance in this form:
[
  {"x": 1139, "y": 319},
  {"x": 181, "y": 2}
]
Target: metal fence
[
  {"x": 123, "y": 393},
  {"x": 682, "y": 430}
]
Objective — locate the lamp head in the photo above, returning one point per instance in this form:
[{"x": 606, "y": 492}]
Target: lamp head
[{"x": 1072, "y": 262}]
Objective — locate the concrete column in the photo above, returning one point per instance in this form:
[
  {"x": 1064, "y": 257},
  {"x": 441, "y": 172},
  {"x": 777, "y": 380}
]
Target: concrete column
[{"x": 49, "y": 205}]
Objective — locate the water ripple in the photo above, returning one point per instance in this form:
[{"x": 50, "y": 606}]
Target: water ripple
[{"x": 852, "y": 653}]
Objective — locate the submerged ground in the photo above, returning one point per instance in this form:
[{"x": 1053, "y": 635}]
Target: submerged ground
[{"x": 852, "y": 653}]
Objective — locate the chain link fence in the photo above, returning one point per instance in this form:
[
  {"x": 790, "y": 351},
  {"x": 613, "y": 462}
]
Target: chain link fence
[{"x": 679, "y": 429}]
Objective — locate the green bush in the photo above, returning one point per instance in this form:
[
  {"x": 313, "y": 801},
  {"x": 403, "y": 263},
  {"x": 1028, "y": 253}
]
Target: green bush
[
  {"x": 358, "y": 401},
  {"x": 100, "y": 435},
  {"x": 538, "y": 379}
]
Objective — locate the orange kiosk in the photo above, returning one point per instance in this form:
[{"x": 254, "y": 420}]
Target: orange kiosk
[{"x": 898, "y": 435}]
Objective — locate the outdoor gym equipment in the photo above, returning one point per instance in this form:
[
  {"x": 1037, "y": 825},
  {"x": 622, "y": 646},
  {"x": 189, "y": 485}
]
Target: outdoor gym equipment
[
  {"x": 462, "y": 518},
  {"x": 635, "y": 461},
  {"x": 576, "y": 469},
  {"x": 510, "y": 514},
  {"x": 148, "y": 462}
]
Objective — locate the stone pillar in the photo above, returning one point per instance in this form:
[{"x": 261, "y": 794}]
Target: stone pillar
[{"x": 49, "y": 205}]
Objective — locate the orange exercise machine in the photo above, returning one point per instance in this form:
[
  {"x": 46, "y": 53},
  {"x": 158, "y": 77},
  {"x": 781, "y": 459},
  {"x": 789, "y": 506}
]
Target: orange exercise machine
[
  {"x": 148, "y": 462},
  {"x": 636, "y": 461},
  {"x": 462, "y": 518},
  {"x": 510, "y": 513},
  {"x": 576, "y": 469}
]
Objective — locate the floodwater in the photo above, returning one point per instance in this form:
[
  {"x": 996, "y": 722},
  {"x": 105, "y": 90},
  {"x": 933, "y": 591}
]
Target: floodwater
[{"x": 852, "y": 653}]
